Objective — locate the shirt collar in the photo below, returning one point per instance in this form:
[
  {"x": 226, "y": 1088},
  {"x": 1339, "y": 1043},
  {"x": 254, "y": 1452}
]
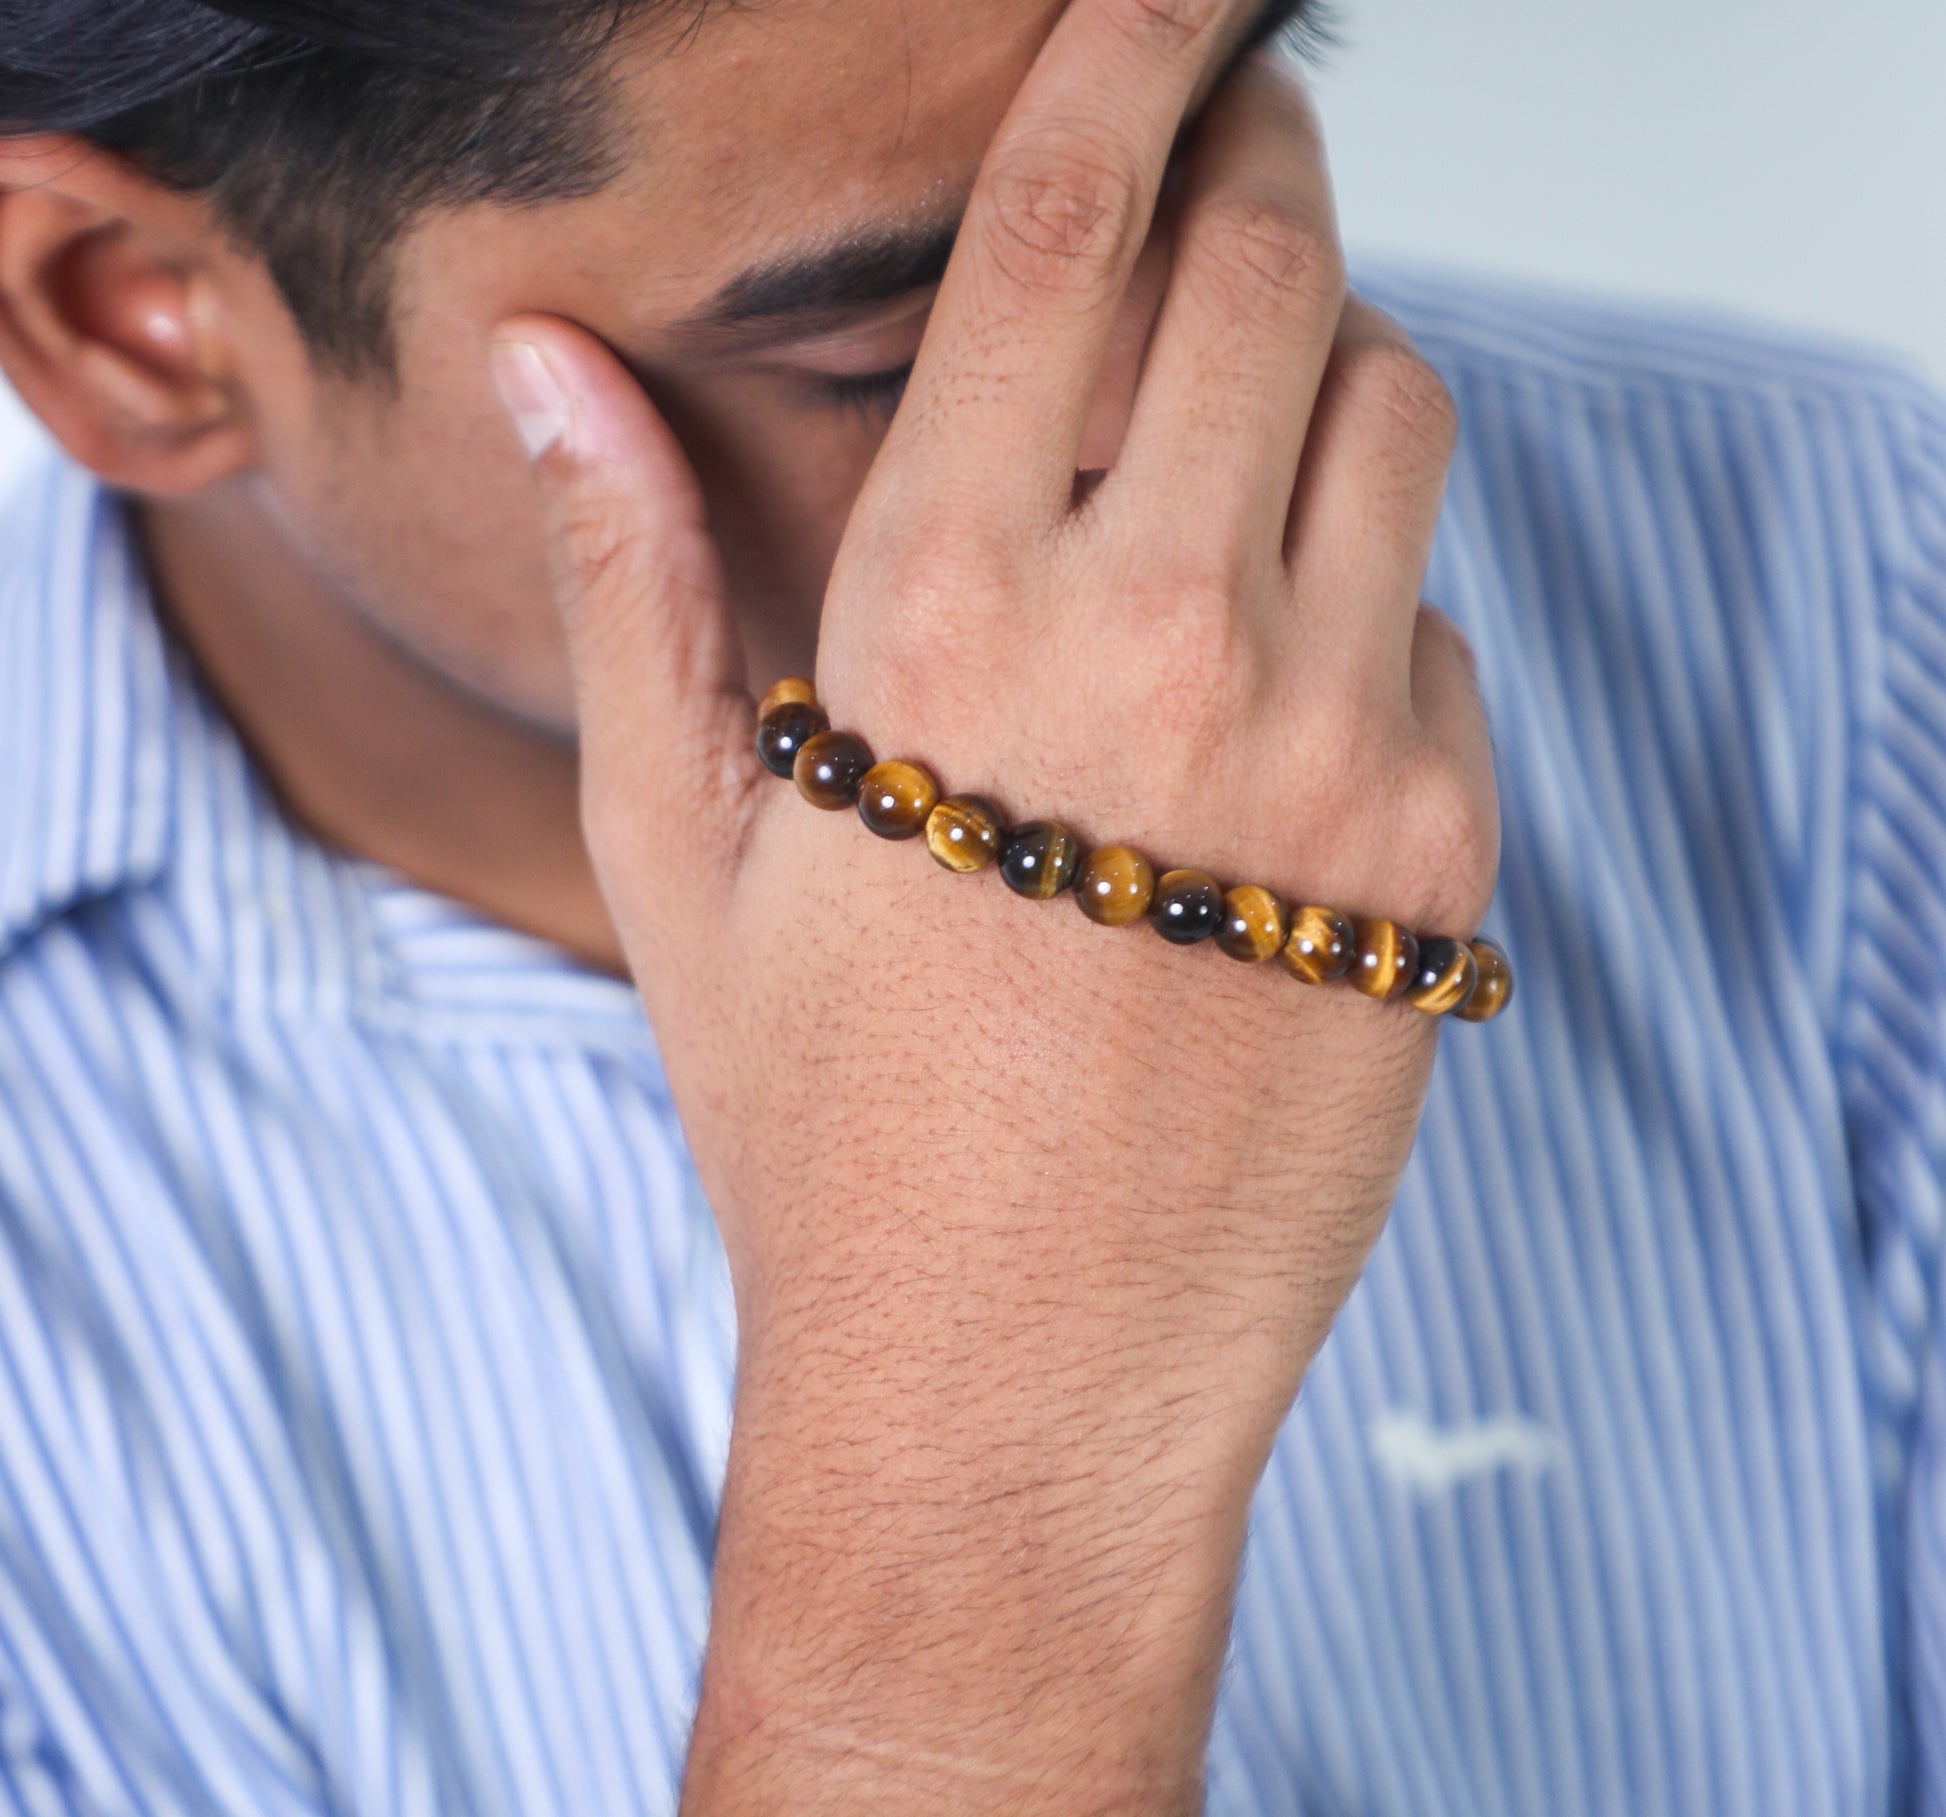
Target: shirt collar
[
  {"x": 130, "y": 777},
  {"x": 84, "y": 704}
]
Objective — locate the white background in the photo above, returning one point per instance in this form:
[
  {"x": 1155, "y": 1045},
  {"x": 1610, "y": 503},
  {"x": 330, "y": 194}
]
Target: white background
[{"x": 1778, "y": 158}]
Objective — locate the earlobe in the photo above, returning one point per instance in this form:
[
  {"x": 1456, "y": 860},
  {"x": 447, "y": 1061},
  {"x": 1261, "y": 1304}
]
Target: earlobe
[{"x": 103, "y": 327}]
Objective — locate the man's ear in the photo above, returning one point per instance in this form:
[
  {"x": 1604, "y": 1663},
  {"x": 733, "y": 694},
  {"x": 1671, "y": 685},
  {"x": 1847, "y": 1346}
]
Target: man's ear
[{"x": 110, "y": 326}]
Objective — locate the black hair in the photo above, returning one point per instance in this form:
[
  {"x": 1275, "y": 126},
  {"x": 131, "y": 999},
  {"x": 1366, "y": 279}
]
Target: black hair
[{"x": 319, "y": 128}]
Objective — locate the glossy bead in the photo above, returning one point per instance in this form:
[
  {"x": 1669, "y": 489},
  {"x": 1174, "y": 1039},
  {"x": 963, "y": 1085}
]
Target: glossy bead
[
  {"x": 1116, "y": 885},
  {"x": 895, "y": 799},
  {"x": 964, "y": 832},
  {"x": 782, "y": 731},
  {"x": 1496, "y": 986},
  {"x": 1320, "y": 946},
  {"x": 1040, "y": 859},
  {"x": 792, "y": 691},
  {"x": 1255, "y": 924},
  {"x": 1188, "y": 906},
  {"x": 829, "y": 768},
  {"x": 1446, "y": 976},
  {"x": 1385, "y": 959}
]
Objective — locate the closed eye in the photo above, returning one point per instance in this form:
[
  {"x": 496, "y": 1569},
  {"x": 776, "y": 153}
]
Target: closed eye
[{"x": 872, "y": 395}]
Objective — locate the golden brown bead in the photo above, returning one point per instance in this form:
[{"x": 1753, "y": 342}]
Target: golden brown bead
[
  {"x": 964, "y": 832},
  {"x": 1116, "y": 885},
  {"x": 782, "y": 731},
  {"x": 1385, "y": 959},
  {"x": 1320, "y": 946},
  {"x": 895, "y": 798},
  {"x": 1040, "y": 859},
  {"x": 1446, "y": 977},
  {"x": 829, "y": 768},
  {"x": 792, "y": 691},
  {"x": 1255, "y": 924},
  {"x": 1188, "y": 906},
  {"x": 1496, "y": 986}
]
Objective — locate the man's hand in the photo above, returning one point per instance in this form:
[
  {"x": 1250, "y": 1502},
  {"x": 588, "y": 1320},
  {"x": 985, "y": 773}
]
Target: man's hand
[{"x": 1034, "y": 1226}]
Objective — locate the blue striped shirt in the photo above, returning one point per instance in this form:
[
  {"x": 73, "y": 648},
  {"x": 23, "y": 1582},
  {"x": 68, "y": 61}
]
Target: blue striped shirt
[{"x": 366, "y": 1345}]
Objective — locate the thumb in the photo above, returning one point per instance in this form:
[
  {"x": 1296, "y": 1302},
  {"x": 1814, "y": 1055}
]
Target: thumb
[{"x": 665, "y": 720}]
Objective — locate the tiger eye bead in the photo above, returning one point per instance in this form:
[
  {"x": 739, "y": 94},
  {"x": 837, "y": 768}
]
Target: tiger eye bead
[
  {"x": 1116, "y": 885},
  {"x": 1188, "y": 906},
  {"x": 1255, "y": 924},
  {"x": 964, "y": 832},
  {"x": 1039, "y": 859},
  {"x": 1320, "y": 946},
  {"x": 829, "y": 768},
  {"x": 1446, "y": 978},
  {"x": 792, "y": 691},
  {"x": 1385, "y": 960},
  {"x": 895, "y": 799},
  {"x": 1495, "y": 988},
  {"x": 784, "y": 728}
]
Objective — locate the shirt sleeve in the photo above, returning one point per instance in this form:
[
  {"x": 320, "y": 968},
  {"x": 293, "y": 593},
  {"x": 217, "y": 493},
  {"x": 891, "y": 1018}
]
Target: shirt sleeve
[{"x": 1893, "y": 1058}]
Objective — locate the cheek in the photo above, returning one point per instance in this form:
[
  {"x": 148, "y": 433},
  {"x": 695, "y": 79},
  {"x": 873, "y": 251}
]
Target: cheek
[
  {"x": 422, "y": 512},
  {"x": 780, "y": 482},
  {"x": 419, "y": 512}
]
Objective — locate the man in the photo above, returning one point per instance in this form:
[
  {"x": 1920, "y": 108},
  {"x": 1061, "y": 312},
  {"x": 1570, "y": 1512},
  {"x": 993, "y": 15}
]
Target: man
[{"x": 367, "y": 1353}]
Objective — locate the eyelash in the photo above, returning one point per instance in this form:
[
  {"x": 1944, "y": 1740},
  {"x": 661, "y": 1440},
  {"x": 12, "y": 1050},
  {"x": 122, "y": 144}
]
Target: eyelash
[
  {"x": 1308, "y": 28},
  {"x": 872, "y": 395}
]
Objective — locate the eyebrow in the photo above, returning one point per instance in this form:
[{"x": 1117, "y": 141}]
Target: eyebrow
[{"x": 793, "y": 292}]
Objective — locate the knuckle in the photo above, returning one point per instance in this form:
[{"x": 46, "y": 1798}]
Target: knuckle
[
  {"x": 1452, "y": 827},
  {"x": 948, "y": 571},
  {"x": 595, "y": 550},
  {"x": 1270, "y": 258},
  {"x": 1399, "y": 388},
  {"x": 1166, "y": 25},
  {"x": 913, "y": 648},
  {"x": 1195, "y": 584},
  {"x": 1337, "y": 753},
  {"x": 954, "y": 587},
  {"x": 1061, "y": 214},
  {"x": 1199, "y": 664}
]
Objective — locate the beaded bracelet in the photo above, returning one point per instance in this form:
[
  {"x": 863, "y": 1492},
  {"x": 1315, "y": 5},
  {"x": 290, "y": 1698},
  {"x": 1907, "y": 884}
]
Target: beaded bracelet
[{"x": 1114, "y": 884}]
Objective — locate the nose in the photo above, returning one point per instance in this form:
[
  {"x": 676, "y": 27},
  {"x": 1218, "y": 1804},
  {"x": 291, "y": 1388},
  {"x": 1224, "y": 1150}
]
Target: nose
[{"x": 1114, "y": 401}]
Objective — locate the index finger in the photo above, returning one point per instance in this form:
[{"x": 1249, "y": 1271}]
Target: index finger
[{"x": 1063, "y": 202}]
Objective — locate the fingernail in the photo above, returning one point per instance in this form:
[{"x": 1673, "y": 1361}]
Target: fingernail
[{"x": 532, "y": 395}]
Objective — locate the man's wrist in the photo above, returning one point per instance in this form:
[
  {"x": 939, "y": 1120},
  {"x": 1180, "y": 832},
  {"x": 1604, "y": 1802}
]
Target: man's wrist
[{"x": 899, "y": 1619}]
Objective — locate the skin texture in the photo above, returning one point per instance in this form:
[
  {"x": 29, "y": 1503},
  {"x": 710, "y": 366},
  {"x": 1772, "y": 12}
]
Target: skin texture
[{"x": 1030, "y": 1254}]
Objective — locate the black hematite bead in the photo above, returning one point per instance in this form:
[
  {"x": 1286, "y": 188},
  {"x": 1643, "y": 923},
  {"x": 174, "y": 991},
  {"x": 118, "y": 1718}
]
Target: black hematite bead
[
  {"x": 1188, "y": 906},
  {"x": 782, "y": 731},
  {"x": 1040, "y": 859}
]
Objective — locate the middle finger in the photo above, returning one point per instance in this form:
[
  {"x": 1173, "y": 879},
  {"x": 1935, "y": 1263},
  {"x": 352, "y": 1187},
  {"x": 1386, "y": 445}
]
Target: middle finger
[{"x": 1244, "y": 337}]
